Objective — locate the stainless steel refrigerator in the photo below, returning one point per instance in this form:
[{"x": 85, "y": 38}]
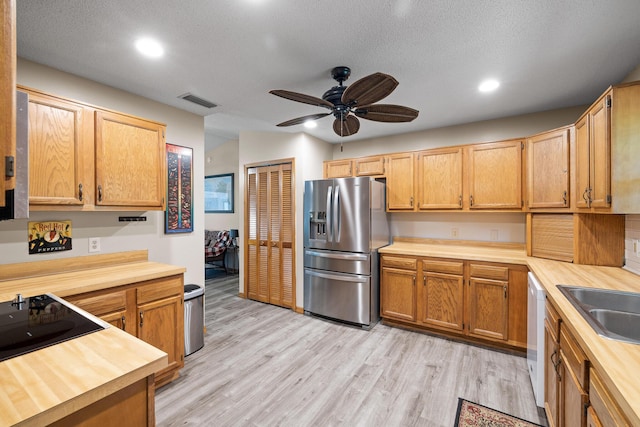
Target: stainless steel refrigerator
[{"x": 345, "y": 224}]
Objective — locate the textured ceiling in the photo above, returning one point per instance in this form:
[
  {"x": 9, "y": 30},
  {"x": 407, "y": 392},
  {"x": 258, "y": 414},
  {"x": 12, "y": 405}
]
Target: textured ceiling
[{"x": 547, "y": 54}]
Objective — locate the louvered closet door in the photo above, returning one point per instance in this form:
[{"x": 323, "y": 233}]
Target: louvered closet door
[{"x": 270, "y": 243}]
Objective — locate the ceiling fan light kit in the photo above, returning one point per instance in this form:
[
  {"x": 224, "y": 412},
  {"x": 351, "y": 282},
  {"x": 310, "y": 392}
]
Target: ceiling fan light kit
[{"x": 359, "y": 99}]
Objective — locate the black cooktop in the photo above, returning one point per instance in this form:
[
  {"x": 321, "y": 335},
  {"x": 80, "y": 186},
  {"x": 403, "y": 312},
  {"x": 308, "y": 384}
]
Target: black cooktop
[{"x": 38, "y": 322}]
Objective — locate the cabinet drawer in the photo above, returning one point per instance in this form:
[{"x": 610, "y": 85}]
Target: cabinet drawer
[
  {"x": 405, "y": 263},
  {"x": 603, "y": 404},
  {"x": 437, "y": 266},
  {"x": 101, "y": 304},
  {"x": 575, "y": 357},
  {"x": 553, "y": 319},
  {"x": 158, "y": 289},
  {"x": 489, "y": 271}
]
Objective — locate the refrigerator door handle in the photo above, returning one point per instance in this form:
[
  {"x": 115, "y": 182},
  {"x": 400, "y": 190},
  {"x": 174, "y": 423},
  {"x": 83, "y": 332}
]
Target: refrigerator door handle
[
  {"x": 342, "y": 278},
  {"x": 337, "y": 223},
  {"x": 328, "y": 219},
  {"x": 348, "y": 257}
]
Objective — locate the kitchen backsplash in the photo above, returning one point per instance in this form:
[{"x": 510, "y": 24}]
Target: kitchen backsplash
[
  {"x": 482, "y": 226},
  {"x": 631, "y": 234}
]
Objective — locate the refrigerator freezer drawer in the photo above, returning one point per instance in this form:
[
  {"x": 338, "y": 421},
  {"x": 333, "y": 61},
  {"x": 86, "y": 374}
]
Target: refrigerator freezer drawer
[
  {"x": 345, "y": 297},
  {"x": 344, "y": 262}
]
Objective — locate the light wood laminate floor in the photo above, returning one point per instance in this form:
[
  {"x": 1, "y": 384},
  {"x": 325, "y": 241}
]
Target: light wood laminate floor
[{"x": 262, "y": 365}]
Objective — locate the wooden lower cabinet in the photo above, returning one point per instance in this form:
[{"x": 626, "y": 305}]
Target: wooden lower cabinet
[
  {"x": 603, "y": 411},
  {"x": 398, "y": 298},
  {"x": 132, "y": 406},
  {"x": 152, "y": 311},
  {"x": 442, "y": 296},
  {"x": 574, "y": 393},
  {"x": 471, "y": 300}
]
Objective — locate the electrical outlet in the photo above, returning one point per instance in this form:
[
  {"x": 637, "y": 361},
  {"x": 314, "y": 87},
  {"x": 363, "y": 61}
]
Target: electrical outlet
[
  {"x": 494, "y": 235},
  {"x": 94, "y": 244},
  {"x": 454, "y": 232}
]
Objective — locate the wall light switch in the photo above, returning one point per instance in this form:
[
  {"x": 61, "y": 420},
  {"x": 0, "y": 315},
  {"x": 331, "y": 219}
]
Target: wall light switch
[
  {"x": 454, "y": 232},
  {"x": 94, "y": 244},
  {"x": 636, "y": 247}
]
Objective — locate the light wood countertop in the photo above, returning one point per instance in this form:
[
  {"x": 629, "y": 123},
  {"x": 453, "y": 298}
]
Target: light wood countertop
[
  {"x": 616, "y": 361},
  {"x": 45, "y": 385},
  {"x": 471, "y": 251}
]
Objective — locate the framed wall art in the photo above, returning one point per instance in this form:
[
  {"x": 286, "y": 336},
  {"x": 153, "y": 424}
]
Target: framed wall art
[
  {"x": 179, "y": 213},
  {"x": 218, "y": 193}
]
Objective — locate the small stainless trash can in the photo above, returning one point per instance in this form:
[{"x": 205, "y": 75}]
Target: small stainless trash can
[{"x": 193, "y": 318}]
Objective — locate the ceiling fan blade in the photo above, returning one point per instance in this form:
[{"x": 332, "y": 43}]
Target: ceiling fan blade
[
  {"x": 300, "y": 97},
  {"x": 386, "y": 113},
  {"x": 303, "y": 119},
  {"x": 369, "y": 89},
  {"x": 349, "y": 126}
]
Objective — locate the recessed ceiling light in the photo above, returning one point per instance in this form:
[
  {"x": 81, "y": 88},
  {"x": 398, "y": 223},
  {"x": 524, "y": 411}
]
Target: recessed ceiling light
[
  {"x": 310, "y": 124},
  {"x": 488, "y": 85},
  {"x": 149, "y": 47}
]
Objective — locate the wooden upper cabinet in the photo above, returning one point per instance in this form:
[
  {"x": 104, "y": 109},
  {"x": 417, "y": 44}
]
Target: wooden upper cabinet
[
  {"x": 440, "y": 179},
  {"x": 495, "y": 175},
  {"x": 7, "y": 91},
  {"x": 400, "y": 182},
  {"x": 57, "y": 151},
  {"x": 369, "y": 166},
  {"x": 82, "y": 157},
  {"x": 548, "y": 169},
  {"x": 130, "y": 161},
  {"x": 338, "y": 168},
  {"x": 593, "y": 156}
]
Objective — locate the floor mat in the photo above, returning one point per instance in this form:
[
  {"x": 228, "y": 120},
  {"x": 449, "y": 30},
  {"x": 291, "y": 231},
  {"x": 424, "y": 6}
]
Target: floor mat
[{"x": 474, "y": 414}]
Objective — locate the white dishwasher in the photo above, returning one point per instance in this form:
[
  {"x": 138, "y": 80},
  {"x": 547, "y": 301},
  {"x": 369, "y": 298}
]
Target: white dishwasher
[{"x": 535, "y": 337}]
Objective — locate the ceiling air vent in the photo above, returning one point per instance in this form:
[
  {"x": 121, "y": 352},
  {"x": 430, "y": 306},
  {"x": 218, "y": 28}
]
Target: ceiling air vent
[{"x": 197, "y": 100}]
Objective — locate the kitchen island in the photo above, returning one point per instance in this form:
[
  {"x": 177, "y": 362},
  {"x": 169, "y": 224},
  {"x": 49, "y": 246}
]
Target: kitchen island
[
  {"x": 102, "y": 378},
  {"x": 614, "y": 362}
]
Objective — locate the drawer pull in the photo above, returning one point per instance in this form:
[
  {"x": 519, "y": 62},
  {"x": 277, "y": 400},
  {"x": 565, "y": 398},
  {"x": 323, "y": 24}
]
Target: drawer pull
[{"x": 141, "y": 318}]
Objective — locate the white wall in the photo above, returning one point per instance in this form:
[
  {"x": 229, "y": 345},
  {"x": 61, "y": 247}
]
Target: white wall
[
  {"x": 308, "y": 154},
  {"x": 224, "y": 159},
  {"x": 183, "y": 128}
]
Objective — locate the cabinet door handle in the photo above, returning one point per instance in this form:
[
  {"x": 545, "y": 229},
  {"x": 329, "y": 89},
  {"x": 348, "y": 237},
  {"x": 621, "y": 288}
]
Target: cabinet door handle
[
  {"x": 505, "y": 290},
  {"x": 124, "y": 323},
  {"x": 414, "y": 280},
  {"x": 424, "y": 280},
  {"x": 411, "y": 201},
  {"x": 460, "y": 200},
  {"x": 141, "y": 318},
  {"x": 80, "y": 191},
  {"x": 553, "y": 362},
  {"x": 471, "y": 200},
  {"x": 99, "y": 193},
  {"x": 564, "y": 197}
]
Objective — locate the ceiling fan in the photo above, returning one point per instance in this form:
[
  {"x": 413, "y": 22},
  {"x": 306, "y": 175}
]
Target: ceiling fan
[{"x": 356, "y": 100}]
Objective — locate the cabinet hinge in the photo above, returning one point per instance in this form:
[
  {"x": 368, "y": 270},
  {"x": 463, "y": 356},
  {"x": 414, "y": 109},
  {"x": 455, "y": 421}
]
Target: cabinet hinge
[
  {"x": 9, "y": 163},
  {"x": 609, "y": 102},
  {"x": 522, "y": 145}
]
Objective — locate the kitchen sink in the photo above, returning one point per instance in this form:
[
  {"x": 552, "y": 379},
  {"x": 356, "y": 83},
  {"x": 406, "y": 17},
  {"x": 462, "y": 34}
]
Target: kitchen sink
[{"x": 612, "y": 314}]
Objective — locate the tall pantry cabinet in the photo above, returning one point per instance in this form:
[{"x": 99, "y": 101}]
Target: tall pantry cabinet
[{"x": 270, "y": 235}]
